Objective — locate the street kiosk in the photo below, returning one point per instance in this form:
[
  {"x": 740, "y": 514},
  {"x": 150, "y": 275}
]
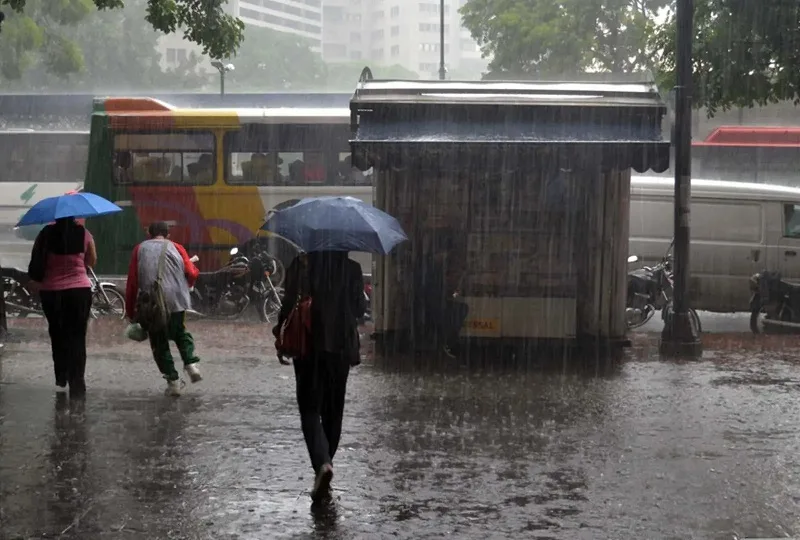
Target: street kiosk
[{"x": 524, "y": 186}]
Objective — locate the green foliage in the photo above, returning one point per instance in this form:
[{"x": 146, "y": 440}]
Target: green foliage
[
  {"x": 116, "y": 50},
  {"x": 536, "y": 37},
  {"x": 745, "y": 53},
  {"x": 270, "y": 60},
  {"x": 47, "y": 29}
]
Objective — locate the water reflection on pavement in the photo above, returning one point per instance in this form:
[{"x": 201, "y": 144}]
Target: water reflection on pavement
[{"x": 654, "y": 450}]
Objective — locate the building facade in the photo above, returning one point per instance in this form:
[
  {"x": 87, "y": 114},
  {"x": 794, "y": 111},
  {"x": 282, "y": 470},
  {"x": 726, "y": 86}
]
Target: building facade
[
  {"x": 376, "y": 32},
  {"x": 406, "y": 33}
]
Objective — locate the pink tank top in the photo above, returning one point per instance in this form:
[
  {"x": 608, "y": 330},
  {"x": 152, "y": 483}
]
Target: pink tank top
[{"x": 67, "y": 271}]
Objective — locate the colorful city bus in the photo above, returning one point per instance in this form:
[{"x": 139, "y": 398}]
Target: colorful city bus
[
  {"x": 213, "y": 174},
  {"x": 749, "y": 154},
  {"x": 34, "y": 165}
]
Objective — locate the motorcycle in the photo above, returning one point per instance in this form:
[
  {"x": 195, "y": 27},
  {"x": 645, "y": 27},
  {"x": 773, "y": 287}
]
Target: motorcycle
[
  {"x": 650, "y": 290},
  {"x": 774, "y": 303},
  {"x": 229, "y": 291},
  {"x": 21, "y": 301}
]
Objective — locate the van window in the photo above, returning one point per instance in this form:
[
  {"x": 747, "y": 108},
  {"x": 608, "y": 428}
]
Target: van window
[
  {"x": 710, "y": 220},
  {"x": 791, "y": 220}
]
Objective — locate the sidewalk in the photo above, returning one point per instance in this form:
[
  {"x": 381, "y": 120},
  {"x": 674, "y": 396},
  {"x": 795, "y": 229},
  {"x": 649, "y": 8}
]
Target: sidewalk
[{"x": 657, "y": 450}]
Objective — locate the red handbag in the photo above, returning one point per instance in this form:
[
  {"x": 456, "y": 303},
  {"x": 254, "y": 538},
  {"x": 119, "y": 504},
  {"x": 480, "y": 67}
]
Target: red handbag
[{"x": 294, "y": 337}]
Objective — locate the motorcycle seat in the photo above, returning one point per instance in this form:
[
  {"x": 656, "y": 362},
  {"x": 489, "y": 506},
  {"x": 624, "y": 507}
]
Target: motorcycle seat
[{"x": 16, "y": 274}]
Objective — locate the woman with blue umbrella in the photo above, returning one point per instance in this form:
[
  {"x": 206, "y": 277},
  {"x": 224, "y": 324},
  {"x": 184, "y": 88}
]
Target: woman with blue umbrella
[
  {"x": 61, "y": 253},
  {"x": 327, "y": 228}
]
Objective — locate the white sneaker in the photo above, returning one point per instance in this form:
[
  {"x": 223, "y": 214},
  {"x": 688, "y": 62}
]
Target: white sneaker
[
  {"x": 193, "y": 372},
  {"x": 173, "y": 388}
]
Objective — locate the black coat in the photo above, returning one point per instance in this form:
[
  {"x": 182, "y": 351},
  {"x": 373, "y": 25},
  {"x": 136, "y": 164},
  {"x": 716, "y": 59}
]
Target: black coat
[{"x": 336, "y": 286}]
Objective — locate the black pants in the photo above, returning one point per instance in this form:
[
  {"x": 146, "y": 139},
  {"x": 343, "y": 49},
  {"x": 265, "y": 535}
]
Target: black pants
[
  {"x": 321, "y": 386},
  {"x": 67, "y": 315}
]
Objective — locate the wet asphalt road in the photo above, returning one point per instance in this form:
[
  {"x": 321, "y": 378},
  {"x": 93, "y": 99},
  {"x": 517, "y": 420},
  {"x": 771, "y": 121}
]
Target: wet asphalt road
[{"x": 653, "y": 449}]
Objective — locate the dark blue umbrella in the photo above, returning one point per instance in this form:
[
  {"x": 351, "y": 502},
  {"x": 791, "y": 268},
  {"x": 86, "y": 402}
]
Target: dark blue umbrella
[
  {"x": 75, "y": 205},
  {"x": 337, "y": 224}
]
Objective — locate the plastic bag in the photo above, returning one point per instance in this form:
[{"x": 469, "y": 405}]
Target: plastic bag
[{"x": 135, "y": 332}]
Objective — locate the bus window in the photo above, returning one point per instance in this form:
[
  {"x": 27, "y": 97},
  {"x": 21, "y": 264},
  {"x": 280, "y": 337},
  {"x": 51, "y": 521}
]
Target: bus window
[
  {"x": 286, "y": 154},
  {"x": 348, "y": 175},
  {"x": 254, "y": 169},
  {"x": 43, "y": 156},
  {"x": 164, "y": 158}
]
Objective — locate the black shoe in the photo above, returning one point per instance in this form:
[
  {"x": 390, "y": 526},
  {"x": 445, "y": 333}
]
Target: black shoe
[{"x": 322, "y": 483}]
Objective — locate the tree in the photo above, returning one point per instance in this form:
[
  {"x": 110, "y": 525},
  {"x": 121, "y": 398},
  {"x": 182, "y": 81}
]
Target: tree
[
  {"x": 118, "y": 52},
  {"x": 534, "y": 37},
  {"x": 745, "y": 53},
  {"x": 272, "y": 60},
  {"x": 43, "y": 27}
]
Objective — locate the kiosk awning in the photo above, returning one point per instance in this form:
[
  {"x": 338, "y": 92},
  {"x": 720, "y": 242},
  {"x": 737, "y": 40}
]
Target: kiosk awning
[{"x": 447, "y": 125}]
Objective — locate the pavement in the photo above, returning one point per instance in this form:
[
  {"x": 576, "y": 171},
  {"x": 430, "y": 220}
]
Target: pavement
[{"x": 651, "y": 449}]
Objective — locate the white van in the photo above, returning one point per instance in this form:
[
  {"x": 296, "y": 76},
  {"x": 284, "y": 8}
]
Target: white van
[{"x": 737, "y": 229}]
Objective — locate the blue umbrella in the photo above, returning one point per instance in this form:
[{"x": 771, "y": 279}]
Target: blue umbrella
[
  {"x": 76, "y": 205},
  {"x": 336, "y": 224}
]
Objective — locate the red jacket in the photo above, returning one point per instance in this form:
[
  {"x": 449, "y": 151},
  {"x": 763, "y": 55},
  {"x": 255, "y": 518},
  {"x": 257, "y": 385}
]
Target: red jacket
[{"x": 132, "y": 286}]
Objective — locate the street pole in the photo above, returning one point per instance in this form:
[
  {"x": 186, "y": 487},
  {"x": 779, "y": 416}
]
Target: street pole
[
  {"x": 222, "y": 83},
  {"x": 680, "y": 334},
  {"x": 442, "y": 69}
]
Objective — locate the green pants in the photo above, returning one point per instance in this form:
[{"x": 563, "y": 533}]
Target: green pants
[{"x": 159, "y": 343}]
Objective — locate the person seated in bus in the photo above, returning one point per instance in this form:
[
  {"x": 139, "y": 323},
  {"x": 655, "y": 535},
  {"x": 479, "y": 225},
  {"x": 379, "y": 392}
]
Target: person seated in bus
[
  {"x": 439, "y": 311},
  {"x": 314, "y": 171},
  {"x": 260, "y": 170},
  {"x": 297, "y": 173},
  {"x": 204, "y": 170},
  {"x": 152, "y": 169},
  {"x": 123, "y": 167}
]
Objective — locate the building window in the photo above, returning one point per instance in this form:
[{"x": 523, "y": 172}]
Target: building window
[
  {"x": 171, "y": 56},
  {"x": 395, "y": 12},
  {"x": 377, "y": 34},
  {"x": 355, "y": 37},
  {"x": 333, "y": 14},
  {"x": 430, "y": 27},
  {"x": 395, "y": 50},
  {"x": 428, "y": 7},
  {"x": 335, "y": 49},
  {"x": 428, "y": 67},
  {"x": 355, "y": 55},
  {"x": 395, "y": 31}
]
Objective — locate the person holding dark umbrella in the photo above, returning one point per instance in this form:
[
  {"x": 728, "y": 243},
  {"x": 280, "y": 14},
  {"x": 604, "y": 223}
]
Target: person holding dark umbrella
[{"x": 327, "y": 228}]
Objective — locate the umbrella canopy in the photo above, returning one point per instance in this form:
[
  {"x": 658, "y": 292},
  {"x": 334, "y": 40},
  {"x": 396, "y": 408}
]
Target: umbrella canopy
[
  {"x": 75, "y": 205},
  {"x": 337, "y": 224}
]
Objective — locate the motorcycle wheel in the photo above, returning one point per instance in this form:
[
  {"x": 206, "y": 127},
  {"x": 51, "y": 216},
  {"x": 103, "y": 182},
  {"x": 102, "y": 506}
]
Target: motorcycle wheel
[
  {"x": 270, "y": 306},
  {"x": 280, "y": 273},
  {"x": 114, "y": 307},
  {"x": 15, "y": 293}
]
